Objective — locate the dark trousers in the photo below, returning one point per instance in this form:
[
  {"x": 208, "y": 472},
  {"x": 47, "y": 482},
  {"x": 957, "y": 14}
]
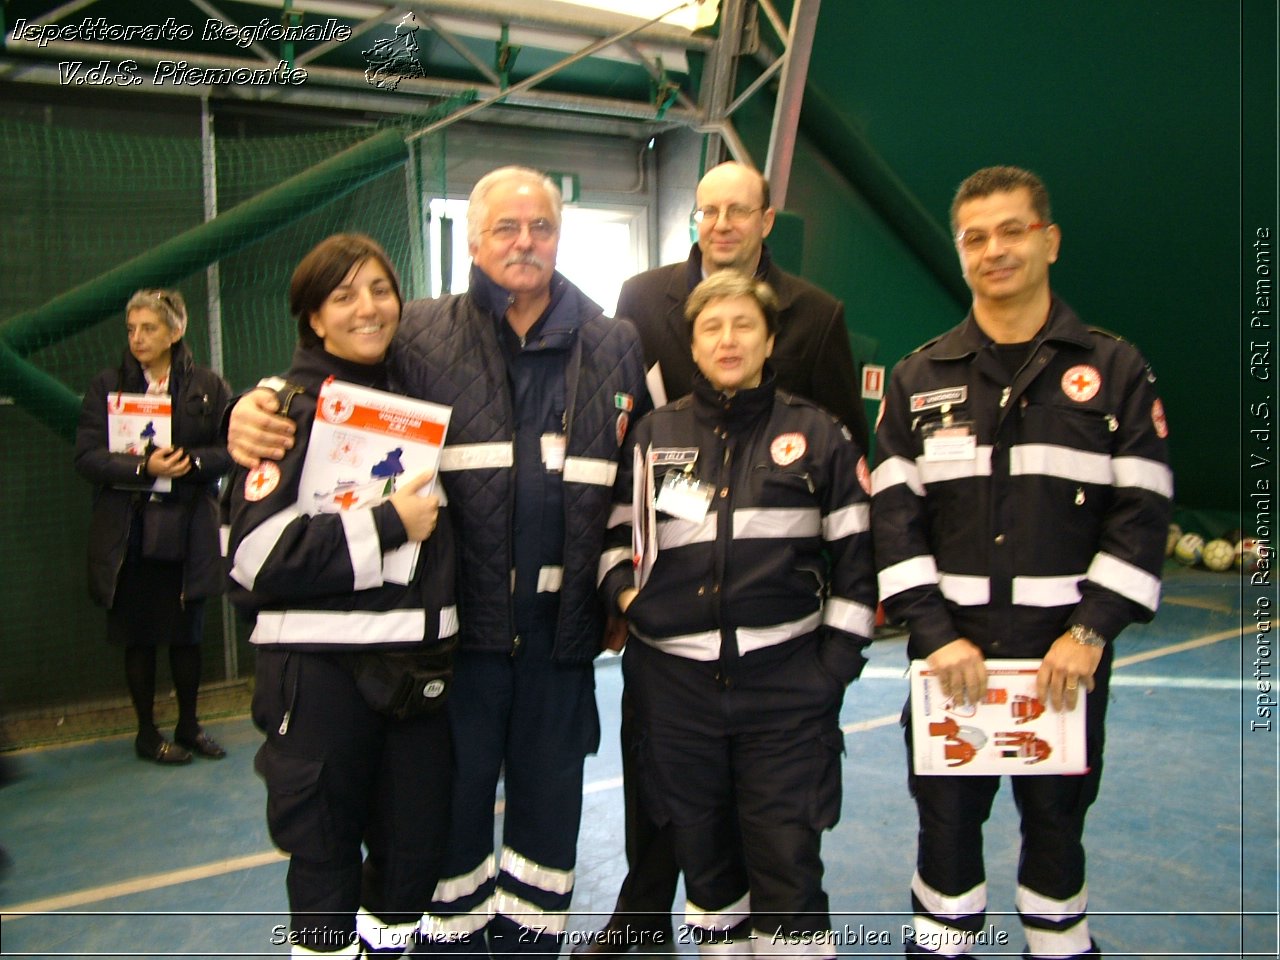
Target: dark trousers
[
  {"x": 744, "y": 767},
  {"x": 340, "y": 776},
  {"x": 949, "y": 890},
  {"x": 647, "y": 892},
  {"x": 532, "y": 722}
]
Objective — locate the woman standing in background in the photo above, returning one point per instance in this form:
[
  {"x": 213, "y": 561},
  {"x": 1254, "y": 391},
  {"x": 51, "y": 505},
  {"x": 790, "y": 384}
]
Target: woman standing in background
[{"x": 153, "y": 535}]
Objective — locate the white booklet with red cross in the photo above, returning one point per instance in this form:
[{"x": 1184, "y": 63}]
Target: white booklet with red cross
[
  {"x": 138, "y": 423},
  {"x": 1010, "y": 732},
  {"x": 363, "y": 442}
]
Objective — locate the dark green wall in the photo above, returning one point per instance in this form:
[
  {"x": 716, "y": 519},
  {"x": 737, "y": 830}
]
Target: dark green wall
[{"x": 1130, "y": 112}]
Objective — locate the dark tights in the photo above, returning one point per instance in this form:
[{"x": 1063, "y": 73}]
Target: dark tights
[{"x": 140, "y": 671}]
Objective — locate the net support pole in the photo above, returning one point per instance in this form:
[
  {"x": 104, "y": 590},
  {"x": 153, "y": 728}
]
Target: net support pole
[
  {"x": 165, "y": 264},
  {"x": 213, "y": 299}
]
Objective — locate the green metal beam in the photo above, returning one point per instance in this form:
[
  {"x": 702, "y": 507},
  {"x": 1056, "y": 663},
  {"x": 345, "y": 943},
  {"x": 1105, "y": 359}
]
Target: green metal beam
[{"x": 860, "y": 164}]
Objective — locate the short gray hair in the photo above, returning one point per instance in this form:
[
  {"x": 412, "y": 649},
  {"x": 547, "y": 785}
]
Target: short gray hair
[
  {"x": 478, "y": 203},
  {"x": 168, "y": 305},
  {"x": 726, "y": 284}
]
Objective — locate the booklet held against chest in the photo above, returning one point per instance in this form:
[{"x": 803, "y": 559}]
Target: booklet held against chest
[
  {"x": 363, "y": 443},
  {"x": 1010, "y": 732},
  {"x": 138, "y": 423}
]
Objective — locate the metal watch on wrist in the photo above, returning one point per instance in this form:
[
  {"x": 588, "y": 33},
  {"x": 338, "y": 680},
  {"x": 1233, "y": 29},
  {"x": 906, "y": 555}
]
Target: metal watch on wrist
[{"x": 1087, "y": 636}]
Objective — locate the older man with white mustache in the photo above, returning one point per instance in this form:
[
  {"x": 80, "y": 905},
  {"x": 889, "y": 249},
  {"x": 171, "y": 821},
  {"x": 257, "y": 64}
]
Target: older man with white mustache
[{"x": 543, "y": 389}]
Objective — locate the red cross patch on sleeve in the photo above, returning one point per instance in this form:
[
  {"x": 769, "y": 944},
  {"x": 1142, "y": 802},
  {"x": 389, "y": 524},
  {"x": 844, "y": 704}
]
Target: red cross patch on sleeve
[
  {"x": 1158, "y": 420},
  {"x": 261, "y": 481}
]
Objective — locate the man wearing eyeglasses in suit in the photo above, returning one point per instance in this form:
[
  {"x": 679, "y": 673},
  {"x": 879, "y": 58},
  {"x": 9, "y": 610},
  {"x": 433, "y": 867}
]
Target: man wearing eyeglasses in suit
[{"x": 811, "y": 358}]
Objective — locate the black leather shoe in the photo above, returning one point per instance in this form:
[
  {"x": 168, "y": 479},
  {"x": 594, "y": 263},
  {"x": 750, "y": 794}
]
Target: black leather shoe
[
  {"x": 202, "y": 745},
  {"x": 163, "y": 752}
]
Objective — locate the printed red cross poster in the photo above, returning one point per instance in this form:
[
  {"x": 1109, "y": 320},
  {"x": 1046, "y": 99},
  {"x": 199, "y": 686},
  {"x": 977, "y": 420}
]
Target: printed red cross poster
[
  {"x": 363, "y": 442},
  {"x": 1010, "y": 732},
  {"x": 138, "y": 423}
]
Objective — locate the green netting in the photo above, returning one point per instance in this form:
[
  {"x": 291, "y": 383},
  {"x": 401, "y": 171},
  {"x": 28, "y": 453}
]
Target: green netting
[{"x": 93, "y": 212}]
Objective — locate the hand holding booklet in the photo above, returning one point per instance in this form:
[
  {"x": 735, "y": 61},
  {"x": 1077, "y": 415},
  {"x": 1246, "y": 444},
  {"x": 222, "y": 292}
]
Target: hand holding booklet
[
  {"x": 137, "y": 424},
  {"x": 1010, "y": 732},
  {"x": 363, "y": 442}
]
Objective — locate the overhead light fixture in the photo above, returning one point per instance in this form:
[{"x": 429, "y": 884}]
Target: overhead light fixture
[{"x": 693, "y": 16}]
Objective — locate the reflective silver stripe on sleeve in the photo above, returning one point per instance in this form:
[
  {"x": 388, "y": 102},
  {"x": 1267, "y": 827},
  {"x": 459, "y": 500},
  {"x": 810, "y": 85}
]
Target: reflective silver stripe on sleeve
[
  {"x": 1047, "y": 591},
  {"x": 1125, "y": 579},
  {"x": 601, "y": 473},
  {"x": 845, "y": 522},
  {"x": 535, "y": 874},
  {"x": 1146, "y": 474},
  {"x": 680, "y": 533},
  {"x": 848, "y": 616},
  {"x": 940, "y": 471},
  {"x": 610, "y": 559},
  {"x": 345, "y": 627},
  {"x": 550, "y": 579},
  {"x": 893, "y": 471},
  {"x": 1065, "y": 463},
  {"x": 448, "y": 621},
  {"x": 477, "y": 456},
  {"x": 921, "y": 571},
  {"x": 254, "y": 549},
  {"x": 363, "y": 547},
  {"x": 619, "y": 515},
  {"x": 965, "y": 591},
  {"x": 777, "y": 523}
]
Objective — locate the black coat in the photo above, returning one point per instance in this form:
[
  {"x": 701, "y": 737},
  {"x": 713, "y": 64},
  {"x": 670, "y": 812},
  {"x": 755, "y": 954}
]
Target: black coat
[
  {"x": 811, "y": 355},
  {"x": 448, "y": 352},
  {"x": 199, "y": 398}
]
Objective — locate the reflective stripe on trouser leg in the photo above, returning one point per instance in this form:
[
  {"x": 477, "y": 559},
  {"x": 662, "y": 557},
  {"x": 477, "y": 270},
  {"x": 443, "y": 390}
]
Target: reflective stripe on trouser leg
[
  {"x": 462, "y": 904},
  {"x": 948, "y": 890},
  {"x": 351, "y": 951},
  {"x": 945, "y": 925},
  {"x": 389, "y": 938},
  {"x": 530, "y": 907},
  {"x": 722, "y": 932},
  {"x": 1055, "y": 928},
  {"x": 554, "y": 726}
]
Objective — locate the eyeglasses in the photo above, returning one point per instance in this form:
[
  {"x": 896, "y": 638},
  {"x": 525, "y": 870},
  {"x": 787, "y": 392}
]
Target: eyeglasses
[
  {"x": 506, "y": 231},
  {"x": 734, "y": 213},
  {"x": 1009, "y": 234}
]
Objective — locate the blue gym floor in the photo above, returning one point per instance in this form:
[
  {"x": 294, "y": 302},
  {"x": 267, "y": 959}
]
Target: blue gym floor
[{"x": 115, "y": 857}]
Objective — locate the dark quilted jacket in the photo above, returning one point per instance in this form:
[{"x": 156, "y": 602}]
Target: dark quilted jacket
[{"x": 449, "y": 353}]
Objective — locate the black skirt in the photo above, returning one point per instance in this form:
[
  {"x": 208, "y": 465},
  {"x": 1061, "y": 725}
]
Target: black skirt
[{"x": 149, "y": 608}]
